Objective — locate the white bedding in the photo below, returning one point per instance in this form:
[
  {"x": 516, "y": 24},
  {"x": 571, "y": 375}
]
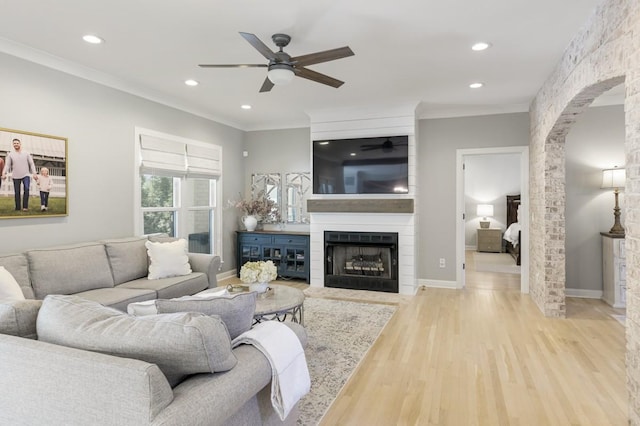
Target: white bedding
[{"x": 511, "y": 234}]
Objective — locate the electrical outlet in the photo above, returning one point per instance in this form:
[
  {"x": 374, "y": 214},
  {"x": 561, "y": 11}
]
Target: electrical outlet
[{"x": 442, "y": 262}]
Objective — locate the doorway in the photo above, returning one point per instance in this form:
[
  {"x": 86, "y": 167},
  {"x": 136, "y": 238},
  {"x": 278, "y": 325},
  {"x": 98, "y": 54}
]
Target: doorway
[{"x": 519, "y": 154}]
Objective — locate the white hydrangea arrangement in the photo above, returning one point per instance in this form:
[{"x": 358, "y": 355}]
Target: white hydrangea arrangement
[{"x": 258, "y": 272}]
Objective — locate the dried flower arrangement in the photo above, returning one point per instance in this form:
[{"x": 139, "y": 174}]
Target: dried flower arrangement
[{"x": 259, "y": 205}]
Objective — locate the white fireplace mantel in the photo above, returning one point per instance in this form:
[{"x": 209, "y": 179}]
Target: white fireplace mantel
[{"x": 367, "y": 122}]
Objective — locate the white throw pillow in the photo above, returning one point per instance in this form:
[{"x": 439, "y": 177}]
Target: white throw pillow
[
  {"x": 9, "y": 288},
  {"x": 148, "y": 307},
  {"x": 168, "y": 259}
]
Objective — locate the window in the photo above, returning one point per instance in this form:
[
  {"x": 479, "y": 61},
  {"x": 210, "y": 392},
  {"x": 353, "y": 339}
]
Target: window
[{"x": 178, "y": 189}]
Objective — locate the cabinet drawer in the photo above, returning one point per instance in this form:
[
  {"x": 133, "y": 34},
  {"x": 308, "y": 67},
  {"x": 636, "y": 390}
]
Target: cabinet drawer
[
  {"x": 290, "y": 239},
  {"x": 255, "y": 239},
  {"x": 496, "y": 248}
]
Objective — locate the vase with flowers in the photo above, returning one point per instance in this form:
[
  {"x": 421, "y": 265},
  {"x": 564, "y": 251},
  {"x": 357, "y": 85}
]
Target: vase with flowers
[
  {"x": 258, "y": 274},
  {"x": 257, "y": 209}
]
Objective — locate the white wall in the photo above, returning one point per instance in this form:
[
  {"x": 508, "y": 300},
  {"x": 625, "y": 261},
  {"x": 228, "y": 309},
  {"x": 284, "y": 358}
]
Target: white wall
[
  {"x": 488, "y": 179},
  {"x": 595, "y": 142},
  {"x": 99, "y": 123}
]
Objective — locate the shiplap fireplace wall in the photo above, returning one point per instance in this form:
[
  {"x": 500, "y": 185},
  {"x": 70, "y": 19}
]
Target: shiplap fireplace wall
[{"x": 355, "y": 216}]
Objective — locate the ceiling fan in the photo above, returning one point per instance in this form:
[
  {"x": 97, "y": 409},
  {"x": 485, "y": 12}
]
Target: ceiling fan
[
  {"x": 282, "y": 67},
  {"x": 386, "y": 146}
]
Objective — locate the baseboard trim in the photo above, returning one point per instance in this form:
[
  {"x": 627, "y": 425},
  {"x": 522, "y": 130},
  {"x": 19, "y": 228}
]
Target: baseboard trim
[
  {"x": 438, "y": 284},
  {"x": 226, "y": 275},
  {"x": 583, "y": 294}
]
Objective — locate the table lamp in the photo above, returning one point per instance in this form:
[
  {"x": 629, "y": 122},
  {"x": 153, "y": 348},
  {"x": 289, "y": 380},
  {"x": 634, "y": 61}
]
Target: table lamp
[
  {"x": 615, "y": 178},
  {"x": 484, "y": 210}
]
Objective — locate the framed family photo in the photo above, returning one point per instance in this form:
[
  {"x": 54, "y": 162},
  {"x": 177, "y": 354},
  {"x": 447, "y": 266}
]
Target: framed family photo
[{"x": 33, "y": 175}]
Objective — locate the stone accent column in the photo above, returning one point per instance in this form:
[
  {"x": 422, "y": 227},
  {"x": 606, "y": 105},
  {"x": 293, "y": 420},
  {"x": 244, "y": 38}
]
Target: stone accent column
[
  {"x": 632, "y": 235},
  {"x": 603, "y": 54}
]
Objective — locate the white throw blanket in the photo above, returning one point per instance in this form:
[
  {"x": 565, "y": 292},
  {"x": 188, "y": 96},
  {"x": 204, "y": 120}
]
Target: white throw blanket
[{"x": 290, "y": 379}]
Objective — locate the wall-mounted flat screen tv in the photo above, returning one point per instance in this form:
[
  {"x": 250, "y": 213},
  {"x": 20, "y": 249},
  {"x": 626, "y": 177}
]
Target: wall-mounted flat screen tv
[{"x": 377, "y": 165}]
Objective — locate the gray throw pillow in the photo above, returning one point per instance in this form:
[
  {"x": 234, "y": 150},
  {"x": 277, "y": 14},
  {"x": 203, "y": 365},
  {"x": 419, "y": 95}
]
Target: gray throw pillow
[
  {"x": 236, "y": 311},
  {"x": 18, "y": 318},
  {"x": 179, "y": 344}
]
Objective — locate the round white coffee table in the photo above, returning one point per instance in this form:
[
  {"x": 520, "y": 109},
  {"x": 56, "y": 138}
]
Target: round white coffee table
[{"x": 279, "y": 302}]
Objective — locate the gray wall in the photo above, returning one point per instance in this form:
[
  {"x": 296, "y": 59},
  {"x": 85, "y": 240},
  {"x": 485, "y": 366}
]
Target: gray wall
[
  {"x": 99, "y": 124},
  {"x": 278, "y": 151},
  {"x": 439, "y": 139},
  {"x": 595, "y": 142}
]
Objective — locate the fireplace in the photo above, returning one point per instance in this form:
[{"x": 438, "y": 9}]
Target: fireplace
[{"x": 361, "y": 260}]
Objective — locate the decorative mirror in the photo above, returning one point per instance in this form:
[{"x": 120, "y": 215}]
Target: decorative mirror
[
  {"x": 297, "y": 189},
  {"x": 269, "y": 183}
]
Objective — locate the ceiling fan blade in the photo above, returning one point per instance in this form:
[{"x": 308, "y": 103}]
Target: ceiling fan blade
[
  {"x": 233, "y": 65},
  {"x": 326, "y": 56},
  {"x": 259, "y": 46},
  {"x": 317, "y": 77},
  {"x": 266, "y": 86},
  {"x": 370, "y": 148}
]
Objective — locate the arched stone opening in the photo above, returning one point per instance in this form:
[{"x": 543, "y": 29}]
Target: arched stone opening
[{"x": 551, "y": 296}]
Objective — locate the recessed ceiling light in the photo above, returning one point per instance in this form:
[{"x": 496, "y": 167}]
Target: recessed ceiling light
[
  {"x": 353, "y": 154},
  {"x": 93, "y": 39},
  {"x": 476, "y": 85},
  {"x": 480, "y": 46},
  {"x": 245, "y": 106},
  {"x": 191, "y": 82}
]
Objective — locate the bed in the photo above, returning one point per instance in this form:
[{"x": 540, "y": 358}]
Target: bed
[{"x": 513, "y": 232}]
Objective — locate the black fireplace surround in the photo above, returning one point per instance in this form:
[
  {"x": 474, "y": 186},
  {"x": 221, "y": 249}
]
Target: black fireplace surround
[{"x": 361, "y": 260}]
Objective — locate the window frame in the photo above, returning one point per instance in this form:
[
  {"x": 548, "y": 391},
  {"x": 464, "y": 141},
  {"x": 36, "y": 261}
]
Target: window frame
[{"x": 182, "y": 210}]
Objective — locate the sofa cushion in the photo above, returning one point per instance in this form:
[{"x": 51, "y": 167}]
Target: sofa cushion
[
  {"x": 118, "y": 298},
  {"x": 168, "y": 259},
  {"x": 69, "y": 269},
  {"x": 179, "y": 344},
  {"x": 168, "y": 288},
  {"x": 18, "y": 318},
  {"x": 128, "y": 258},
  {"x": 236, "y": 311},
  {"x": 9, "y": 288},
  {"x": 18, "y": 266}
]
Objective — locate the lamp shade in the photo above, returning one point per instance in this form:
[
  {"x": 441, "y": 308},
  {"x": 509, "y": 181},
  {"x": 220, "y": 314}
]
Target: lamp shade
[
  {"x": 485, "y": 210},
  {"x": 280, "y": 74},
  {"x": 613, "y": 178}
]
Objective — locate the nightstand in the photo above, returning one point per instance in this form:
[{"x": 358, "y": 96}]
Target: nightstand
[{"x": 490, "y": 239}]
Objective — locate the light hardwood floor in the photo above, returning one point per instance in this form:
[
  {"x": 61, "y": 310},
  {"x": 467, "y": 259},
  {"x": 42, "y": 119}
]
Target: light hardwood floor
[{"x": 487, "y": 356}]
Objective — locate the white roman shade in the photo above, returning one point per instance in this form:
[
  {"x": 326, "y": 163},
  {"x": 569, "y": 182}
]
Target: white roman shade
[
  {"x": 162, "y": 157},
  {"x": 203, "y": 161}
]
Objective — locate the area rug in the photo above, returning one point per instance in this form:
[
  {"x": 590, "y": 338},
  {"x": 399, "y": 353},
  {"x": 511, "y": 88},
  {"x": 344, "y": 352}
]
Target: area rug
[
  {"x": 495, "y": 262},
  {"x": 339, "y": 335}
]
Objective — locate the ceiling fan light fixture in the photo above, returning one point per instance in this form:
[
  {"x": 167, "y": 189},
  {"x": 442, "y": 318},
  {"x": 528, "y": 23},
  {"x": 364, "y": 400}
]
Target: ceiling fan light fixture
[{"x": 280, "y": 74}]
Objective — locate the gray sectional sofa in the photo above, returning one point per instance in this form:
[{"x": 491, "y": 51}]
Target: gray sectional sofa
[{"x": 53, "y": 384}]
